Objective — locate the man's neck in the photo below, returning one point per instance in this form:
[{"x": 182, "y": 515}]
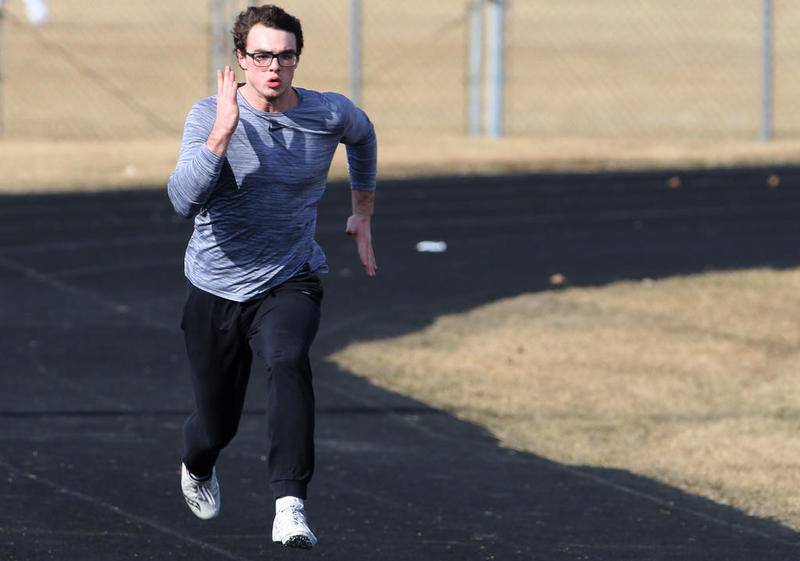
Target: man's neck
[{"x": 285, "y": 102}]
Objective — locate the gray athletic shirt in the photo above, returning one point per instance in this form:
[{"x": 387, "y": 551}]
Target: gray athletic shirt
[{"x": 255, "y": 209}]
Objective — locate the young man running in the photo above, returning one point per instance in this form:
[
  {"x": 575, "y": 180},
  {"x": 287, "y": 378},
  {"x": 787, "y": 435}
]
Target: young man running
[{"x": 252, "y": 167}]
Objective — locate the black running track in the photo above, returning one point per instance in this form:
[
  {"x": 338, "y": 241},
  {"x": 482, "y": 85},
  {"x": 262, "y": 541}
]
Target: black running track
[{"x": 94, "y": 384}]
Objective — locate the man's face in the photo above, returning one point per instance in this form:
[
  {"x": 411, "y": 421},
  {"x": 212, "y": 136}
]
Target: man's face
[{"x": 274, "y": 80}]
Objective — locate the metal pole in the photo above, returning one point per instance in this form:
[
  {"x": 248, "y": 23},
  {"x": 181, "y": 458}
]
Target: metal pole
[
  {"x": 217, "y": 59},
  {"x": 2, "y": 73},
  {"x": 355, "y": 50},
  {"x": 475, "y": 66},
  {"x": 495, "y": 94},
  {"x": 767, "y": 73}
]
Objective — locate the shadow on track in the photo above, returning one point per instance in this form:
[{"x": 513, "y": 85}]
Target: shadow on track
[
  {"x": 508, "y": 235},
  {"x": 94, "y": 384}
]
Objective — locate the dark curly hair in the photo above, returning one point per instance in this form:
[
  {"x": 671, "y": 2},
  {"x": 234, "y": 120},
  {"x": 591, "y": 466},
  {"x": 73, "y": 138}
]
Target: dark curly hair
[{"x": 267, "y": 15}]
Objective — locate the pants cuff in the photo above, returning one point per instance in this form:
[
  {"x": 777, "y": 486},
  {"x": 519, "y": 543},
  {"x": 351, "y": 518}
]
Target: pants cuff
[{"x": 289, "y": 488}]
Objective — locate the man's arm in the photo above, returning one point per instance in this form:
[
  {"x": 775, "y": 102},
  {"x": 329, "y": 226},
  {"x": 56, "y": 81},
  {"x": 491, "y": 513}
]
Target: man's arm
[
  {"x": 362, "y": 159},
  {"x": 205, "y": 142}
]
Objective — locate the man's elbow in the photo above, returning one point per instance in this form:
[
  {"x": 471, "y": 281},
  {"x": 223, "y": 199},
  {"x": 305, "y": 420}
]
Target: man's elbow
[
  {"x": 181, "y": 205},
  {"x": 185, "y": 209},
  {"x": 185, "y": 212},
  {"x": 370, "y": 139}
]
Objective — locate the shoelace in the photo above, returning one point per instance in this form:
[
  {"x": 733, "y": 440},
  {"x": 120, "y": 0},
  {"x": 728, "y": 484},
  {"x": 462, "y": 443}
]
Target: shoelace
[
  {"x": 202, "y": 490},
  {"x": 296, "y": 514}
]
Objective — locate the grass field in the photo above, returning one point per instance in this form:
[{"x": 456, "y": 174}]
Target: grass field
[
  {"x": 672, "y": 379},
  {"x": 611, "y": 69},
  {"x": 592, "y": 85},
  {"x": 88, "y": 165},
  {"x": 649, "y": 69}
]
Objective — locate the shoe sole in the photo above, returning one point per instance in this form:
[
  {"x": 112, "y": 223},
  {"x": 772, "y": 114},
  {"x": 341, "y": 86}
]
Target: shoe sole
[{"x": 301, "y": 542}]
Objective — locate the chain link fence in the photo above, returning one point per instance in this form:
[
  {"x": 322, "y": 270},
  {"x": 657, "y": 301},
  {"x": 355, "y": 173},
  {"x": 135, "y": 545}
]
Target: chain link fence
[
  {"x": 102, "y": 70},
  {"x": 579, "y": 69},
  {"x": 648, "y": 68}
]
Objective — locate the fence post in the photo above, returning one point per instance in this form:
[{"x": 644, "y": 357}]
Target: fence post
[
  {"x": 495, "y": 94},
  {"x": 355, "y": 50},
  {"x": 475, "y": 66},
  {"x": 218, "y": 56},
  {"x": 2, "y": 73},
  {"x": 767, "y": 72}
]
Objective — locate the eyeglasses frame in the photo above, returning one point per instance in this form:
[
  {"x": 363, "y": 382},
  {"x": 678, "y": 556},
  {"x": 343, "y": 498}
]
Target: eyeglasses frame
[{"x": 273, "y": 56}]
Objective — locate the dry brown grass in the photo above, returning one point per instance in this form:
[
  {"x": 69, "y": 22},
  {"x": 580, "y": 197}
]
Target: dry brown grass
[
  {"x": 590, "y": 86},
  {"x": 43, "y": 166},
  {"x": 648, "y": 69},
  {"x": 691, "y": 380}
]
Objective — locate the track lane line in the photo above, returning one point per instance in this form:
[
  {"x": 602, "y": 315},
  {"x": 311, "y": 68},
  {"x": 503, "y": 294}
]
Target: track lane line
[{"x": 98, "y": 502}]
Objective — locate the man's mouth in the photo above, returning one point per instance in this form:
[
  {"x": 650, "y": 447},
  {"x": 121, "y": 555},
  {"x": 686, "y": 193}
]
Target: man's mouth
[{"x": 273, "y": 82}]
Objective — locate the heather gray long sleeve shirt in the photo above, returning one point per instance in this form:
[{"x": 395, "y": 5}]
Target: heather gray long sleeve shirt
[{"x": 255, "y": 209}]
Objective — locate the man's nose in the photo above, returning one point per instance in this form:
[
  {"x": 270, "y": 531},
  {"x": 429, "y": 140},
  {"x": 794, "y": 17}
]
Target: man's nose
[{"x": 273, "y": 64}]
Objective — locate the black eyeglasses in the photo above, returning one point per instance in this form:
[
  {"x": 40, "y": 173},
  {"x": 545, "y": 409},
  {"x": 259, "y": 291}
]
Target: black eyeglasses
[{"x": 264, "y": 58}]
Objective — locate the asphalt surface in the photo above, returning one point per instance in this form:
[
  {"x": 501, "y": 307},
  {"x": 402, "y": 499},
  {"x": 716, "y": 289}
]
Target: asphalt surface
[{"x": 94, "y": 384}]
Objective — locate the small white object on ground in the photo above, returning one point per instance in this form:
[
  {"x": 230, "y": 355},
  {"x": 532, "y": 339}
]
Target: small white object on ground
[
  {"x": 432, "y": 247},
  {"x": 36, "y": 11}
]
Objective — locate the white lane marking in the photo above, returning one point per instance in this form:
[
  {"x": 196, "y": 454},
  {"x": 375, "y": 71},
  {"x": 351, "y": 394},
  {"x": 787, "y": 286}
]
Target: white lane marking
[
  {"x": 35, "y": 357},
  {"x": 98, "y": 299},
  {"x": 119, "y": 511}
]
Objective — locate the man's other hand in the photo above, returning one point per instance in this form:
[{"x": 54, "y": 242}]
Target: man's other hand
[{"x": 359, "y": 226}]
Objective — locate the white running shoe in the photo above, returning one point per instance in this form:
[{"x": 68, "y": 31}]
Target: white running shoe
[
  {"x": 201, "y": 496},
  {"x": 290, "y": 527}
]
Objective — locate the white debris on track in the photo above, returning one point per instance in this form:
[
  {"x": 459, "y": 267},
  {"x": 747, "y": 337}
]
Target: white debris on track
[{"x": 431, "y": 247}]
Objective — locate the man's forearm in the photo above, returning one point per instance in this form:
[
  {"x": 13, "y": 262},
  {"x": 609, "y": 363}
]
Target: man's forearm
[
  {"x": 218, "y": 141},
  {"x": 363, "y": 203}
]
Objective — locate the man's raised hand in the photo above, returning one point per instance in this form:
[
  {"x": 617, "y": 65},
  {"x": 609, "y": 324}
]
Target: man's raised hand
[{"x": 227, "y": 112}]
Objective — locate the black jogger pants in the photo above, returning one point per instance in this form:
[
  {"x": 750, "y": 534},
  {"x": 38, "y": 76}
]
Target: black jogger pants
[{"x": 222, "y": 337}]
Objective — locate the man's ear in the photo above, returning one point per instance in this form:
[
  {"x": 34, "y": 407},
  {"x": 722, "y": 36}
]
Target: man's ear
[{"x": 239, "y": 58}]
